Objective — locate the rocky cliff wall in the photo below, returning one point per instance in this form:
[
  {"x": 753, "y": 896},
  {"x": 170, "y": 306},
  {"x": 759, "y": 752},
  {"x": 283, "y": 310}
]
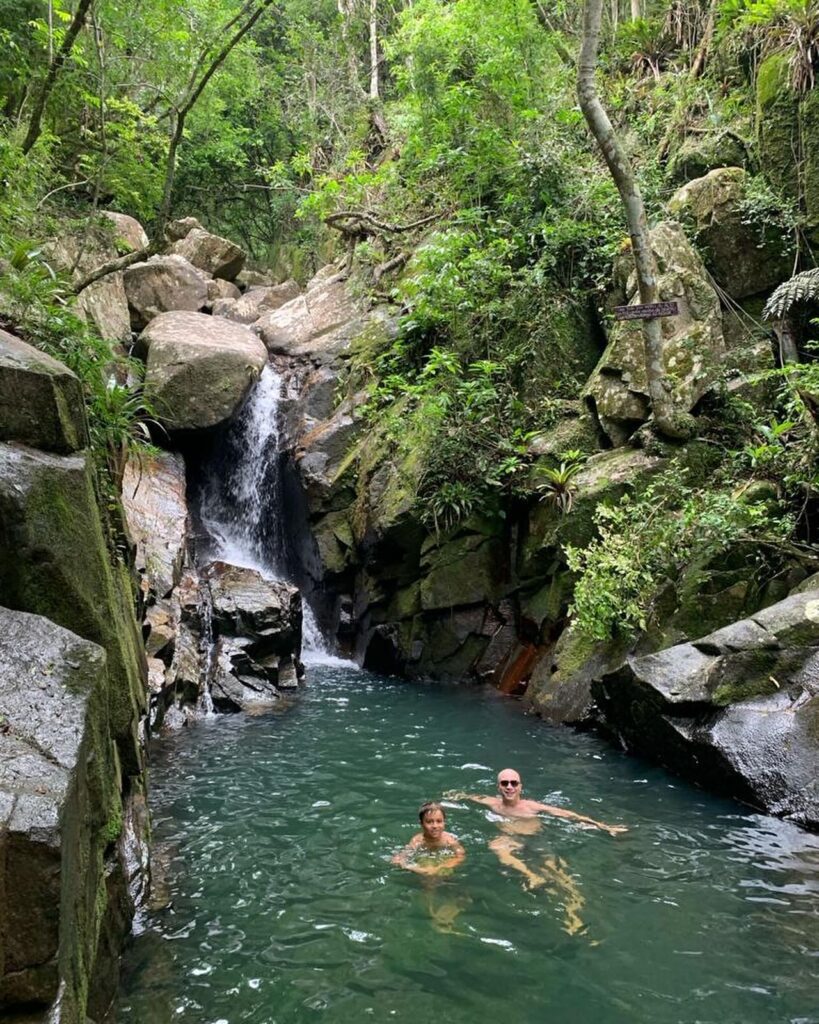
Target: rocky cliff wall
[{"x": 72, "y": 699}]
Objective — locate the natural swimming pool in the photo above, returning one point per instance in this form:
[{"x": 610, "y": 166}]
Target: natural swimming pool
[{"x": 277, "y": 833}]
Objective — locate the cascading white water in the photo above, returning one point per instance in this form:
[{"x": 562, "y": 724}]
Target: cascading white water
[
  {"x": 236, "y": 505},
  {"x": 241, "y": 506}
]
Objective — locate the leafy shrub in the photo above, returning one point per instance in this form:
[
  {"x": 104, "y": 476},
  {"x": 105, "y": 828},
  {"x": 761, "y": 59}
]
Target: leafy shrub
[{"x": 646, "y": 540}]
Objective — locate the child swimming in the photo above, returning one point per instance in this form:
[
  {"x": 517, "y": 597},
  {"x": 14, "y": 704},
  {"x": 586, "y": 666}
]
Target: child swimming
[{"x": 432, "y": 850}]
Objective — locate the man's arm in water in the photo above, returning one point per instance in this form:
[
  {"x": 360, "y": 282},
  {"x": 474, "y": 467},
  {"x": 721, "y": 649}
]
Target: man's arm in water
[
  {"x": 452, "y": 794},
  {"x": 561, "y": 812}
]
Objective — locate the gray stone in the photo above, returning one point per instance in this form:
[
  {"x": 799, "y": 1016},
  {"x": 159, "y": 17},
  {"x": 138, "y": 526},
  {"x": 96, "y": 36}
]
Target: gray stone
[
  {"x": 217, "y": 256},
  {"x": 199, "y": 368},
  {"x": 58, "y": 787},
  {"x": 221, "y": 290},
  {"x": 181, "y": 227},
  {"x": 266, "y": 612},
  {"x": 737, "y": 709},
  {"x": 256, "y": 302},
  {"x": 155, "y": 507},
  {"x": 321, "y": 323},
  {"x": 692, "y": 342},
  {"x": 54, "y": 561},
  {"x": 254, "y": 279},
  {"x": 130, "y": 234},
  {"x": 742, "y": 256},
  {"x": 162, "y": 284},
  {"x": 41, "y": 400}
]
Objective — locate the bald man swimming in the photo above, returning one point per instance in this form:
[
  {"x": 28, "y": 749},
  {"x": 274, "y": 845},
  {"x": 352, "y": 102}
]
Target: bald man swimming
[{"x": 521, "y": 818}]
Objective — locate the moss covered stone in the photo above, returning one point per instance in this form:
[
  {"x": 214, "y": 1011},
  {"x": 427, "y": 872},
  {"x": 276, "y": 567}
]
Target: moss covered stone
[
  {"x": 809, "y": 125},
  {"x": 777, "y": 123},
  {"x": 54, "y": 561},
  {"x": 463, "y": 571}
]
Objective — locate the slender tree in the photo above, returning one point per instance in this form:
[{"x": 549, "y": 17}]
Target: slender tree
[
  {"x": 666, "y": 421},
  {"x": 206, "y": 66},
  {"x": 56, "y": 62}
]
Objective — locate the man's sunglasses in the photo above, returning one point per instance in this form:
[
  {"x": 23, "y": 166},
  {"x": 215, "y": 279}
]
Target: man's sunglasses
[{"x": 509, "y": 782}]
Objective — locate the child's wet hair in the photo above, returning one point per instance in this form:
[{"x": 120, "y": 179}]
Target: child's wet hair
[{"x": 428, "y": 808}]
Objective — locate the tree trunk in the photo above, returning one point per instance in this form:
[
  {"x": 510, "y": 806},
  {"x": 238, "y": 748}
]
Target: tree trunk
[
  {"x": 701, "y": 58},
  {"x": 34, "y": 125},
  {"x": 636, "y": 11},
  {"x": 374, "y": 90},
  {"x": 618, "y": 163}
]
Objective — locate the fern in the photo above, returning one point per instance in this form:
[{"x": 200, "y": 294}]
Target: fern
[{"x": 802, "y": 287}]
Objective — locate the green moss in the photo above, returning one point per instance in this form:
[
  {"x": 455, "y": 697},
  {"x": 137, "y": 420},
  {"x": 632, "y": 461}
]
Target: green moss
[
  {"x": 113, "y": 827},
  {"x": 54, "y": 561},
  {"x": 809, "y": 124},
  {"x": 777, "y": 123}
]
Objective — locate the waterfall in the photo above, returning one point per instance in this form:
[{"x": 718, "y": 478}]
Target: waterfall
[
  {"x": 241, "y": 504},
  {"x": 206, "y": 649},
  {"x": 238, "y": 499}
]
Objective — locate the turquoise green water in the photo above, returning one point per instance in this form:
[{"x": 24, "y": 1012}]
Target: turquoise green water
[{"x": 278, "y": 831}]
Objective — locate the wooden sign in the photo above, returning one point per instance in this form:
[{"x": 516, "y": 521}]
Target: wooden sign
[{"x": 646, "y": 312}]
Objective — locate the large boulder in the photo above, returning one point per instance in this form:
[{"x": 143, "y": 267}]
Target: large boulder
[
  {"x": 155, "y": 507},
  {"x": 743, "y": 256},
  {"x": 257, "y": 628},
  {"x": 246, "y": 604},
  {"x": 41, "y": 400},
  {"x": 698, "y": 154},
  {"x": 256, "y": 302},
  {"x": 162, "y": 284},
  {"x": 54, "y": 561},
  {"x": 86, "y": 245},
  {"x": 130, "y": 234},
  {"x": 59, "y": 809},
  {"x": 737, "y": 709},
  {"x": 321, "y": 323},
  {"x": 199, "y": 369},
  {"x": 217, "y": 256},
  {"x": 692, "y": 342}
]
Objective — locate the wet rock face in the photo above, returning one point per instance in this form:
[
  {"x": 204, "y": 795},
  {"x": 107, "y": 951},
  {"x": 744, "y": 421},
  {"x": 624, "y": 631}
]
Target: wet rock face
[
  {"x": 41, "y": 400},
  {"x": 227, "y": 630},
  {"x": 199, "y": 368},
  {"x": 58, "y": 791},
  {"x": 258, "y": 625},
  {"x": 153, "y": 500},
  {"x": 737, "y": 709},
  {"x": 54, "y": 562}
]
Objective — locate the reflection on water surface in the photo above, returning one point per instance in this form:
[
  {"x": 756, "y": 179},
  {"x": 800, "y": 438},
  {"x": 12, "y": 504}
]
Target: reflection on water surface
[{"x": 277, "y": 832}]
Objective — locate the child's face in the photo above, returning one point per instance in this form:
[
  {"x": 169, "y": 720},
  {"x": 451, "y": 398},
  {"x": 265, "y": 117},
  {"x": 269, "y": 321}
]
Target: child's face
[{"x": 433, "y": 825}]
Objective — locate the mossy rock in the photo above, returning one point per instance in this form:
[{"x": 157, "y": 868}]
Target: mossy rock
[
  {"x": 745, "y": 257},
  {"x": 54, "y": 562},
  {"x": 777, "y": 123},
  {"x": 603, "y": 480},
  {"x": 699, "y": 154},
  {"x": 809, "y": 125},
  {"x": 560, "y": 689},
  {"x": 466, "y": 570},
  {"x": 334, "y": 540}
]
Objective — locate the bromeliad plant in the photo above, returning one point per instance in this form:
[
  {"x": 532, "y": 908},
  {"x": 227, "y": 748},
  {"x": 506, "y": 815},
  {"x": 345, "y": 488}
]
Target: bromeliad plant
[{"x": 558, "y": 485}]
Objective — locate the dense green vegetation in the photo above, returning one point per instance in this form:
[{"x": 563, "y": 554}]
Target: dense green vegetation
[{"x": 456, "y": 177}]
